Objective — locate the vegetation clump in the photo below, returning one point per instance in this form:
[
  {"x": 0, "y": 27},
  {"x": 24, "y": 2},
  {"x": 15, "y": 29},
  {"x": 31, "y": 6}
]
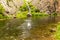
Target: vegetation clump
[{"x": 2, "y": 10}]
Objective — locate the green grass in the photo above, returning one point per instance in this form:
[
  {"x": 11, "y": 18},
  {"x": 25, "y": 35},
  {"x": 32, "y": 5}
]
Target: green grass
[
  {"x": 24, "y": 14},
  {"x": 3, "y": 17},
  {"x": 34, "y": 14},
  {"x": 58, "y": 32},
  {"x": 39, "y": 14},
  {"x": 21, "y": 14}
]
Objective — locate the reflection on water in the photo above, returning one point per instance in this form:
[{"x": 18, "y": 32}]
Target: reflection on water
[
  {"x": 28, "y": 29},
  {"x": 26, "y": 26}
]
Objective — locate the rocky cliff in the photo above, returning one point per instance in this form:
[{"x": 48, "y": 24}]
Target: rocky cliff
[{"x": 48, "y": 6}]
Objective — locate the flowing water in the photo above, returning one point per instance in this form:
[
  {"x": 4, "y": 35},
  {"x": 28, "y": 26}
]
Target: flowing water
[{"x": 35, "y": 28}]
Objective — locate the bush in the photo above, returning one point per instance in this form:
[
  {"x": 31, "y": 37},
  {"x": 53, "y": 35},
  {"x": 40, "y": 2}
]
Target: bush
[
  {"x": 24, "y": 7},
  {"x": 21, "y": 14},
  {"x": 2, "y": 16},
  {"x": 1, "y": 9}
]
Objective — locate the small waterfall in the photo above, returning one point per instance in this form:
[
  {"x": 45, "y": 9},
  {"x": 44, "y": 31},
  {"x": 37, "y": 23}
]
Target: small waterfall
[{"x": 29, "y": 9}]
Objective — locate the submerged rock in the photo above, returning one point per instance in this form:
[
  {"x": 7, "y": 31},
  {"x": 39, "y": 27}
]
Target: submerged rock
[{"x": 52, "y": 30}]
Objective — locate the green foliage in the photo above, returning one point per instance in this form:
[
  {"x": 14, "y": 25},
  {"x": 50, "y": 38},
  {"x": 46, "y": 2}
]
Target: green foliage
[
  {"x": 3, "y": 17},
  {"x": 33, "y": 8},
  {"x": 20, "y": 14},
  {"x": 55, "y": 14},
  {"x": 58, "y": 32},
  {"x": 39, "y": 14},
  {"x": 1, "y": 9},
  {"x": 25, "y": 8}
]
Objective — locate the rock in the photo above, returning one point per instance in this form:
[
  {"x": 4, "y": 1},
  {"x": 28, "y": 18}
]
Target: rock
[
  {"x": 14, "y": 17},
  {"x": 29, "y": 15}
]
